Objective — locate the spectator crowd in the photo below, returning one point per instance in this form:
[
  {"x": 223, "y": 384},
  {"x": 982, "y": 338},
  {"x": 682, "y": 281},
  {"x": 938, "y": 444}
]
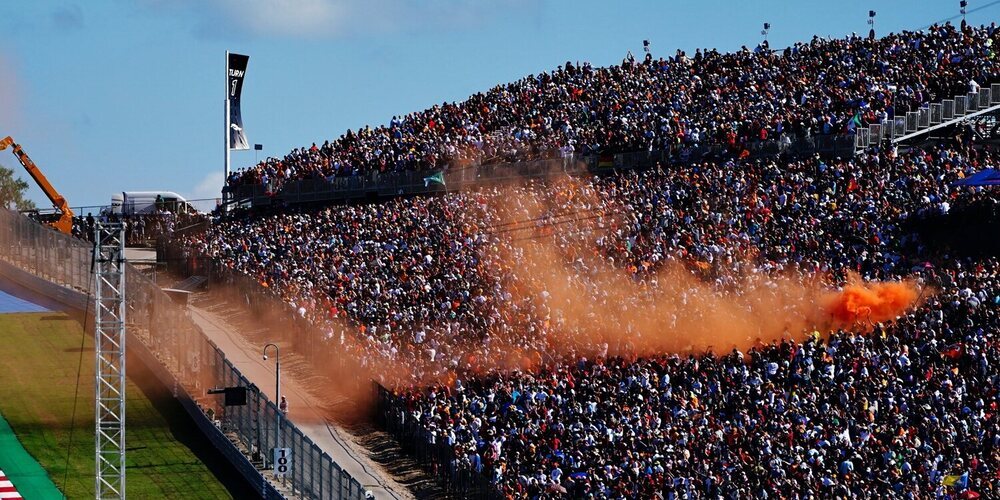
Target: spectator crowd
[
  {"x": 824, "y": 86},
  {"x": 449, "y": 290}
]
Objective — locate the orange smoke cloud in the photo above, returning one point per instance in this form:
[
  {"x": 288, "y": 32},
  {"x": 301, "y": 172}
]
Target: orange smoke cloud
[
  {"x": 597, "y": 306},
  {"x": 567, "y": 299},
  {"x": 870, "y": 302}
]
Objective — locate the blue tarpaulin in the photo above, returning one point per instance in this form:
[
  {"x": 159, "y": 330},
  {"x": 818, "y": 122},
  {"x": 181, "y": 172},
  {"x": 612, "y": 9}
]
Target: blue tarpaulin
[
  {"x": 12, "y": 304},
  {"x": 988, "y": 177}
]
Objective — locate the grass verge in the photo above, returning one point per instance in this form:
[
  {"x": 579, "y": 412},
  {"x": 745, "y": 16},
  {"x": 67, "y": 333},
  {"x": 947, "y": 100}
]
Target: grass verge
[{"x": 38, "y": 376}]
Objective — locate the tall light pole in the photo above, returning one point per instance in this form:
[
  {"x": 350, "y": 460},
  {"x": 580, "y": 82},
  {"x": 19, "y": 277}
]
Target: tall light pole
[
  {"x": 277, "y": 392},
  {"x": 961, "y": 8},
  {"x": 767, "y": 28},
  {"x": 871, "y": 22}
]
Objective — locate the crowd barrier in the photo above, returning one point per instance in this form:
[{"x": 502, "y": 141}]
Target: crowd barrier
[
  {"x": 162, "y": 335},
  {"x": 460, "y": 479},
  {"x": 476, "y": 173}
]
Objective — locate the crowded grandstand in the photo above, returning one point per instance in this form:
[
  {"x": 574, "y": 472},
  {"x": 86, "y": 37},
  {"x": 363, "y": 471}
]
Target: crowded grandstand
[{"x": 653, "y": 332}]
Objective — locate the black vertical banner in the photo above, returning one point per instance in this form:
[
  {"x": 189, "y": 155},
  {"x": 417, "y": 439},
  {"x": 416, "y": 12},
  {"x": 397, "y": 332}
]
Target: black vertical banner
[{"x": 237, "y": 70}]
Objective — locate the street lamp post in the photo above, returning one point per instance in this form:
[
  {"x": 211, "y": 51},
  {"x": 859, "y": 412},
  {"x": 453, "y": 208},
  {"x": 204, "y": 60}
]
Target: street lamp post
[{"x": 277, "y": 392}]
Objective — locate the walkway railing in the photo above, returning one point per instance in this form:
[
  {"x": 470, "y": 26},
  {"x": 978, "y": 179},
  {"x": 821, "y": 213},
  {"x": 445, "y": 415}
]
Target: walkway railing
[{"x": 930, "y": 117}]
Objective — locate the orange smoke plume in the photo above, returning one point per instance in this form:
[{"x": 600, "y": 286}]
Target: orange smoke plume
[
  {"x": 868, "y": 303},
  {"x": 566, "y": 298},
  {"x": 599, "y": 306}
]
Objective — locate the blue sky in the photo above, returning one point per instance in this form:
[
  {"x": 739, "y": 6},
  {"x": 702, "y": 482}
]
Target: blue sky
[{"x": 116, "y": 95}]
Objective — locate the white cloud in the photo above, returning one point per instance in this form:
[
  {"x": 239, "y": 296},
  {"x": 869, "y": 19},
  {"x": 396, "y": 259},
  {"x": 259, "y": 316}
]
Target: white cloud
[
  {"x": 210, "y": 187},
  {"x": 334, "y": 18},
  {"x": 283, "y": 17}
]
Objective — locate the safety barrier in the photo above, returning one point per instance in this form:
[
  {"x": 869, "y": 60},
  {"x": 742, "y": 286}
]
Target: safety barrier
[{"x": 459, "y": 475}]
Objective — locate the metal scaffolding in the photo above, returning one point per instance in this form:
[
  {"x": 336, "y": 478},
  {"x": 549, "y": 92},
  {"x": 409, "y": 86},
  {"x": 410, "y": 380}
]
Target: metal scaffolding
[{"x": 109, "y": 336}]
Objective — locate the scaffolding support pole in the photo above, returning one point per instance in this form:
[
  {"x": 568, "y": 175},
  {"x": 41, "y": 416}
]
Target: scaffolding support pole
[{"x": 109, "y": 339}]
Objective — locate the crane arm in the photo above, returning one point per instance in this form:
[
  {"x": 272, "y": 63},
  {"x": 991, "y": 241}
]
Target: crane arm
[{"x": 65, "y": 222}]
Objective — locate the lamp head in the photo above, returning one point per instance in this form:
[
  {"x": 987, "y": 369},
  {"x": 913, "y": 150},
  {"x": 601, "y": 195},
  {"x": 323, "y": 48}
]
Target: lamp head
[{"x": 265, "y": 357}]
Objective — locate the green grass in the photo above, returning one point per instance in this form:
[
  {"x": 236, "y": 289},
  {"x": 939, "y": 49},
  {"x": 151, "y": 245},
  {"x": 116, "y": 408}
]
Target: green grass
[{"x": 38, "y": 375}]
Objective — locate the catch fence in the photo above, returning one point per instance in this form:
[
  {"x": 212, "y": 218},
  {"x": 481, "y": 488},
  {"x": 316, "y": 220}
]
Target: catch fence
[{"x": 165, "y": 338}]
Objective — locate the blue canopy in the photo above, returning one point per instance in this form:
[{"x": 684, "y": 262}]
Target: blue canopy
[{"x": 988, "y": 177}]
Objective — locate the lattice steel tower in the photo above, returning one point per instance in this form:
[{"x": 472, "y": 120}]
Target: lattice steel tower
[{"x": 109, "y": 336}]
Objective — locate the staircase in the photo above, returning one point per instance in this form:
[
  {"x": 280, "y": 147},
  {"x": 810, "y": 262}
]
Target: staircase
[{"x": 930, "y": 118}]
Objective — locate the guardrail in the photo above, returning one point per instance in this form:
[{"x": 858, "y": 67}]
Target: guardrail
[{"x": 174, "y": 348}]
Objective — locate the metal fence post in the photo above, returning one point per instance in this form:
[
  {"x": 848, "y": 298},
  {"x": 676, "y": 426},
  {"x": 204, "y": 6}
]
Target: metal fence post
[
  {"x": 321, "y": 469},
  {"x": 297, "y": 476},
  {"x": 340, "y": 483},
  {"x": 312, "y": 471}
]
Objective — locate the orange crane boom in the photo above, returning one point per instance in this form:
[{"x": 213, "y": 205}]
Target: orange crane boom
[{"x": 65, "y": 222}]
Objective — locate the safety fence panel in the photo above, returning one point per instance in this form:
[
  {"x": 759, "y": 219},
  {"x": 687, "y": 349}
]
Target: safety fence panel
[
  {"x": 861, "y": 138},
  {"x": 875, "y": 134},
  {"x": 948, "y": 109},
  {"x": 887, "y": 129},
  {"x": 936, "y": 109},
  {"x": 924, "y": 117},
  {"x": 960, "y": 107},
  {"x": 39, "y": 250}
]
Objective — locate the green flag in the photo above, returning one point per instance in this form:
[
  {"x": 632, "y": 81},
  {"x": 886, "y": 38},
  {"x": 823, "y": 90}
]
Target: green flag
[{"x": 438, "y": 178}]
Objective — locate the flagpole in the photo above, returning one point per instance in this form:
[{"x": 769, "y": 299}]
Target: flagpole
[{"x": 226, "y": 138}]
